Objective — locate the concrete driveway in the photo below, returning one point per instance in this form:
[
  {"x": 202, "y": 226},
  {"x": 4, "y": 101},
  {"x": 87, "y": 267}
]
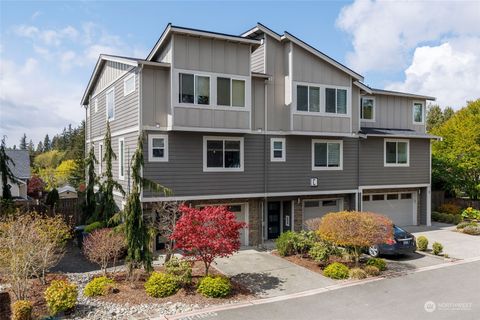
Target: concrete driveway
[
  {"x": 455, "y": 244},
  {"x": 268, "y": 275}
]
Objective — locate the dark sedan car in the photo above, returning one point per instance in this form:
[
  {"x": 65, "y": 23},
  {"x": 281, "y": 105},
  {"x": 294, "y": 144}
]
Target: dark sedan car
[{"x": 402, "y": 242}]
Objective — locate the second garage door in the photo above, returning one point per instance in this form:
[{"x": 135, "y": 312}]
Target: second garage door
[
  {"x": 318, "y": 208},
  {"x": 399, "y": 207}
]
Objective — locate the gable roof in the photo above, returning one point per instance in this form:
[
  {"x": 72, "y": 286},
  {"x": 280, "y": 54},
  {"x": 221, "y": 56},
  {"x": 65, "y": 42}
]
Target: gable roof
[
  {"x": 401, "y": 94},
  {"x": 134, "y": 62},
  {"x": 21, "y": 159},
  {"x": 66, "y": 188}
]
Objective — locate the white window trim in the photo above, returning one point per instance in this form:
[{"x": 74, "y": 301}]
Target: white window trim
[
  {"x": 151, "y": 158},
  {"x": 336, "y": 100},
  {"x": 100, "y": 162},
  {"x": 315, "y": 168},
  {"x": 106, "y": 104},
  {"x": 322, "y": 112},
  {"x": 195, "y": 75},
  {"x": 385, "y": 164},
  {"x": 373, "y": 110},
  {"x": 96, "y": 104},
  {"x": 423, "y": 112},
  {"x": 213, "y": 91},
  {"x": 308, "y": 98},
  {"x": 272, "y": 143},
  {"x": 231, "y": 95},
  {"x": 125, "y": 93},
  {"x": 206, "y": 169},
  {"x": 120, "y": 176}
]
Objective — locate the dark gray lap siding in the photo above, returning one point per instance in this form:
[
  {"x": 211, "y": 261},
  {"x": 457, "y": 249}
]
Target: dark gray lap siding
[{"x": 183, "y": 172}]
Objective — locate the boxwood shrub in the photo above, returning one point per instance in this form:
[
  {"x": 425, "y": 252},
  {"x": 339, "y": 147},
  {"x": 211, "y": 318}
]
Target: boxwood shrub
[
  {"x": 161, "y": 285},
  {"x": 215, "y": 287},
  {"x": 61, "y": 296},
  {"x": 357, "y": 273},
  {"x": 422, "y": 243},
  {"x": 377, "y": 262},
  {"x": 291, "y": 243},
  {"x": 336, "y": 270},
  {"x": 99, "y": 286},
  {"x": 372, "y": 271},
  {"x": 437, "y": 248},
  {"x": 22, "y": 310}
]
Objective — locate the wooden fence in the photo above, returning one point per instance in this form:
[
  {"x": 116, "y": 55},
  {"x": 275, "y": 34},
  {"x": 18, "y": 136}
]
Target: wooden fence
[{"x": 438, "y": 198}]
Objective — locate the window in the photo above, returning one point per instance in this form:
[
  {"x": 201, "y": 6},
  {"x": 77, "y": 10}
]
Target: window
[
  {"x": 110, "y": 101},
  {"x": 277, "y": 149},
  {"x": 308, "y": 98},
  {"x": 129, "y": 84},
  {"x": 96, "y": 104},
  {"x": 202, "y": 90},
  {"x": 222, "y": 154},
  {"x": 329, "y": 203},
  {"x": 230, "y": 92},
  {"x": 187, "y": 91},
  {"x": 327, "y": 154},
  {"x": 405, "y": 196},
  {"x": 367, "y": 110},
  {"x": 378, "y": 197},
  {"x": 121, "y": 159},
  {"x": 157, "y": 147},
  {"x": 311, "y": 204},
  {"x": 336, "y": 100},
  {"x": 392, "y": 196},
  {"x": 366, "y": 197},
  {"x": 100, "y": 158},
  {"x": 418, "y": 113},
  {"x": 396, "y": 153}
]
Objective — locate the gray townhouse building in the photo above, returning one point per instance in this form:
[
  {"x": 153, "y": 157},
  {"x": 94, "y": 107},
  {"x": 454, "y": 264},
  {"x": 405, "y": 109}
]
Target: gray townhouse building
[{"x": 263, "y": 123}]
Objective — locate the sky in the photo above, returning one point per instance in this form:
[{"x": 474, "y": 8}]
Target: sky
[{"x": 48, "y": 49}]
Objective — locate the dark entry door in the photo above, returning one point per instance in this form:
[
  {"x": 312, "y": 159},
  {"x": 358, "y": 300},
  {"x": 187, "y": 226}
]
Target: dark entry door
[{"x": 273, "y": 215}]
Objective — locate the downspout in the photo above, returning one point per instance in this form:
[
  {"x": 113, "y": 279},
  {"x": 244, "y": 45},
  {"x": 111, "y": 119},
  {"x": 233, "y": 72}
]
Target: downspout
[{"x": 265, "y": 174}]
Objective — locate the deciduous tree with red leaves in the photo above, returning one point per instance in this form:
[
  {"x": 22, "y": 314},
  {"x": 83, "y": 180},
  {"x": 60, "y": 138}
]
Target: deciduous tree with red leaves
[
  {"x": 208, "y": 233},
  {"x": 35, "y": 187}
]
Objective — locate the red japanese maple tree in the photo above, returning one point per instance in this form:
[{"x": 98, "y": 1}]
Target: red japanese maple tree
[
  {"x": 35, "y": 187},
  {"x": 208, "y": 233}
]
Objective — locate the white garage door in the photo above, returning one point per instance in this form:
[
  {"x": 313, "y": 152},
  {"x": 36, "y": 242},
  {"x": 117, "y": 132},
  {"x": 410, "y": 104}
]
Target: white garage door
[
  {"x": 240, "y": 213},
  {"x": 318, "y": 208},
  {"x": 399, "y": 207}
]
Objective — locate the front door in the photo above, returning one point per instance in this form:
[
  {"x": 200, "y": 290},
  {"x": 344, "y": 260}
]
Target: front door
[{"x": 273, "y": 219}]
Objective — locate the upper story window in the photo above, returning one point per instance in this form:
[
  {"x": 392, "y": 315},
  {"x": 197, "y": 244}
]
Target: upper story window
[
  {"x": 336, "y": 100},
  {"x": 230, "y": 92},
  {"x": 327, "y": 154},
  {"x": 397, "y": 153},
  {"x": 194, "y": 89},
  {"x": 121, "y": 158},
  {"x": 110, "y": 102},
  {"x": 129, "y": 84},
  {"x": 222, "y": 153},
  {"x": 418, "y": 113},
  {"x": 277, "y": 149},
  {"x": 308, "y": 98},
  {"x": 367, "y": 109},
  {"x": 157, "y": 147}
]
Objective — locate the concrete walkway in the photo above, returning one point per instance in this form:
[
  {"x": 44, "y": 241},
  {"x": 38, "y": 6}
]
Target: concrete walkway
[
  {"x": 268, "y": 275},
  {"x": 455, "y": 244}
]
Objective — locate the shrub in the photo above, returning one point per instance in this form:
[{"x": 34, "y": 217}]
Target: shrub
[
  {"x": 422, "y": 243},
  {"x": 181, "y": 269},
  {"x": 22, "y": 310},
  {"x": 357, "y": 273},
  {"x": 472, "y": 230},
  {"x": 372, "y": 271},
  {"x": 103, "y": 246},
  {"x": 377, "y": 262},
  {"x": 313, "y": 224},
  {"x": 471, "y": 214},
  {"x": 446, "y": 217},
  {"x": 61, "y": 296},
  {"x": 450, "y": 208},
  {"x": 321, "y": 251},
  {"x": 356, "y": 230},
  {"x": 336, "y": 270},
  {"x": 215, "y": 287},
  {"x": 94, "y": 226},
  {"x": 462, "y": 225},
  {"x": 437, "y": 248},
  {"x": 161, "y": 285},
  {"x": 99, "y": 286},
  {"x": 290, "y": 243}
]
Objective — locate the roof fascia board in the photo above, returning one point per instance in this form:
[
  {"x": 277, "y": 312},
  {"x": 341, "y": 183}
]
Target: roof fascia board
[
  {"x": 130, "y": 62},
  {"x": 260, "y": 27},
  {"x": 363, "y": 86},
  {"x": 402, "y": 94},
  {"x": 160, "y": 40},
  {"x": 405, "y": 136}
]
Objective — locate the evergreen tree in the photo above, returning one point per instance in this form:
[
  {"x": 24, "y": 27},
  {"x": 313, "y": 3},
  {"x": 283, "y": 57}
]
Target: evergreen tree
[
  {"x": 40, "y": 147},
  {"x": 5, "y": 171},
  {"x": 23, "y": 142},
  {"x": 31, "y": 147},
  {"x": 109, "y": 184},
  {"x": 89, "y": 204},
  {"x": 46, "y": 143}
]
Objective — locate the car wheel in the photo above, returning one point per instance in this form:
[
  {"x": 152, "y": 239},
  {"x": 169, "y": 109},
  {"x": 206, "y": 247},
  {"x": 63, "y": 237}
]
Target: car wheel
[{"x": 374, "y": 251}]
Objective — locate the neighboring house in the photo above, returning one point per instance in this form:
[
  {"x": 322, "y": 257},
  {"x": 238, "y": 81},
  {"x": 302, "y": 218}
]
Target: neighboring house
[
  {"x": 21, "y": 171},
  {"x": 67, "y": 192},
  {"x": 265, "y": 123}
]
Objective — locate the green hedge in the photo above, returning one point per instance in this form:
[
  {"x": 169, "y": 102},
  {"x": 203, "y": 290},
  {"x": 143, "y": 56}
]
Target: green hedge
[{"x": 446, "y": 218}]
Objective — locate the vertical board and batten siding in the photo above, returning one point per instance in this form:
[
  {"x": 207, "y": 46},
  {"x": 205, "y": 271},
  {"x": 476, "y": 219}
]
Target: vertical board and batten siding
[
  {"x": 126, "y": 109},
  {"x": 111, "y": 71},
  {"x": 258, "y": 104},
  {"x": 166, "y": 53},
  {"x": 130, "y": 147},
  {"x": 355, "y": 109},
  {"x": 393, "y": 112},
  {"x": 209, "y": 118},
  {"x": 373, "y": 171},
  {"x": 321, "y": 123},
  {"x": 278, "y": 114},
  {"x": 258, "y": 59},
  {"x": 155, "y": 96}
]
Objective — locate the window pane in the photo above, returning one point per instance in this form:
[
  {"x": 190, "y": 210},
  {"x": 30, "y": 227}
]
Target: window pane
[
  {"x": 277, "y": 145},
  {"x": 203, "y": 90},
  {"x": 320, "y": 155},
  {"x": 158, "y": 143},
  {"x": 330, "y": 100},
  {"x": 110, "y": 104},
  {"x": 378, "y": 197},
  {"x": 214, "y": 154},
  {"x": 367, "y": 109},
  {"x": 314, "y": 99},
  {"x": 406, "y": 196},
  {"x": 334, "y": 154},
  {"x": 223, "y": 91},
  {"x": 186, "y": 88},
  {"x": 277, "y": 153},
  {"x": 392, "y": 196},
  {"x": 130, "y": 84},
  {"x": 342, "y": 101},
  {"x": 402, "y": 152},
  {"x": 238, "y": 93},
  {"x": 366, "y": 197},
  {"x": 391, "y": 150},
  {"x": 417, "y": 112},
  {"x": 302, "y": 98},
  {"x": 232, "y": 154},
  {"x": 158, "y": 153}
]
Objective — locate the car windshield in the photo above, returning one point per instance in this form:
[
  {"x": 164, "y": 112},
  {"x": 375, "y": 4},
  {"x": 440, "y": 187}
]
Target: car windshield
[{"x": 398, "y": 230}]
